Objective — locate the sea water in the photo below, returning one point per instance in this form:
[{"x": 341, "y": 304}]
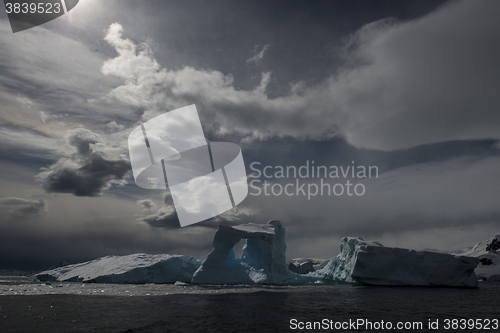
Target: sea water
[{"x": 30, "y": 306}]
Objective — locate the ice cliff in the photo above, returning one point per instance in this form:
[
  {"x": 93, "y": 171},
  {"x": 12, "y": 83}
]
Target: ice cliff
[
  {"x": 134, "y": 268},
  {"x": 262, "y": 261},
  {"x": 374, "y": 264}
]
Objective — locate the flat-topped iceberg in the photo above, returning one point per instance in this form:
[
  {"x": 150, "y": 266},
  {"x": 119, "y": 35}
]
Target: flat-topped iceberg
[
  {"x": 133, "y": 268},
  {"x": 262, "y": 261},
  {"x": 374, "y": 264}
]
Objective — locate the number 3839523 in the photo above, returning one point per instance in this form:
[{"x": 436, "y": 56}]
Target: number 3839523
[{"x": 32, "y": 8}]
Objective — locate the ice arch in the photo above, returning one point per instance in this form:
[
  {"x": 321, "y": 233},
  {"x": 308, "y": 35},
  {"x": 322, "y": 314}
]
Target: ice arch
[{"x": 263, "y": 258}]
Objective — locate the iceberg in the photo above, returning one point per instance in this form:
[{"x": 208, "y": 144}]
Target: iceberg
[
  {"x": 488, "y": 253},
  {"x": 263, "y": 259},
  {"x": 372, "y": 263},
  {"x": 306, "y": 265},
  {"x": 133, "y": 268},
  {"x": 301, "y": 267}
]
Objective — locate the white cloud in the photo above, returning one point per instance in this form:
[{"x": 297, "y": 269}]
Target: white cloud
[
  {"x": 44, "y": 117},
  {"x": 424, "y": 81},
  {"x": 147, "y": 204},
  {"x": 20, "y": 206},
  {"x": 25, "y": 101},
  {"x": 258, "y": 55},
  {"x": 115, "y": 127}
]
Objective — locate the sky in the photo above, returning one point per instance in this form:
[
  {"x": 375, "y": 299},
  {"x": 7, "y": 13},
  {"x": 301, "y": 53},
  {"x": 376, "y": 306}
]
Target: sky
[{"x": 410, "y": 88}]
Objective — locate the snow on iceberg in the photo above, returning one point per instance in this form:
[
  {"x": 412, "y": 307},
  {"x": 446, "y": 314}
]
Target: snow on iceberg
[
  {"x": 374, "y": 264},
  {"x": 262, "y": 261},
  {"x": 133, "y": 268},
  {"x": 488, "y": 253}
]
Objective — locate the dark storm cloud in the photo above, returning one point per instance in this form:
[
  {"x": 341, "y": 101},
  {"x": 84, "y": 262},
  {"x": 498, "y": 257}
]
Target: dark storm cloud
[
  {"x": 87, "y": 172},
  {"x": 164, "y": 216},
  {"x": 37, "y": 244},
  {"x": 20, "y": 206},
  {"x": 402, "y": 84}
]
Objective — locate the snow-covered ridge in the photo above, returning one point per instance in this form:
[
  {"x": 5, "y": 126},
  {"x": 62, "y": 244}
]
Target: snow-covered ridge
[{"x": 488, "y": 253}]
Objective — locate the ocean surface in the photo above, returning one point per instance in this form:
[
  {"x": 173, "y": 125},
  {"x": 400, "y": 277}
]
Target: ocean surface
[{"x": 30, "y": 306}]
